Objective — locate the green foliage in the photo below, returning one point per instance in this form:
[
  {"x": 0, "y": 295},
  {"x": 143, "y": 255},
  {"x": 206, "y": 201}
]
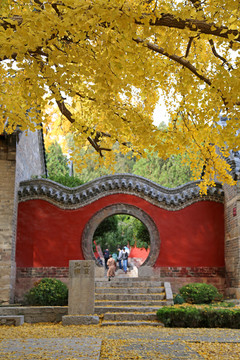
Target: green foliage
[
  {"x": 105, "y": 234},
  {"x": 57, "y": 165},
  {"x": 110, "y": 224},
  {"x": 141, "y": 234},
  {"x": 223, "y": 304},
  {"x": 66, "y": 180},
  {"x": 149, "y": 167},
  {"x": 110, "y": 240},
  {"x": 47, "y": 292},
  {"x": 180, "y": 317},
  {"x": 124, "y": 163},
  {"x": 121, "y": 230},
  {"x": 200, "y": 293},
  {"x": 56, "y": 161},
  {"x": 178, "y": 299},
  {"x": 89, "y": 172},
  {"x": 193, "y": 317},
  {"x": 174, "y": 172},
  {"x": 168, "y": 173},
  {"x": 109, "y": 234}
]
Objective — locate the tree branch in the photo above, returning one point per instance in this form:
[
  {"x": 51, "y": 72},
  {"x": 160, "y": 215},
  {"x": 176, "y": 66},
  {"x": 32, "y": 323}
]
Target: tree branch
[
  {"x": 166, "y": 20},
  {"x": 175, "y": 58},
  {"x": 182, "y": 62},
  {"x": 198, "y": 6},
  {"x": 214, "y": 51},
  {"x": 8, "y": 22},
  {"x": 68, "y": 115},
  {"x": 95, "y": 142},
  {"x": 189, "y": 46},
  {"x": 199, "y": 26}
]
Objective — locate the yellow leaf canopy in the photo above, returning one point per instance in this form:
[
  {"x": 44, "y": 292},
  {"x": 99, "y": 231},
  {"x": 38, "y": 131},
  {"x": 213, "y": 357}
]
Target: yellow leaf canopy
[{"x": 104, "y": 64}]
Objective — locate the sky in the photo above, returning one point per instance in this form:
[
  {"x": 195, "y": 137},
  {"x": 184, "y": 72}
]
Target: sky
[{"x": 160, "y": 113}]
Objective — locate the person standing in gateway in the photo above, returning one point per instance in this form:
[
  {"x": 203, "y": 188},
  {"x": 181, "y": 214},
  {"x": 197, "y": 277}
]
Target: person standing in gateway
[
  {"x": 119, "y": 258},
  {"x": 127, "y": 249},
  {"x": 125, "y": 260},
  {"x": 111, "y": 267},
  {"x": 106, "y": 257}
]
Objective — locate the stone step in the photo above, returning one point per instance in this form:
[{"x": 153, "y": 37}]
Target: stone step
[
  {"x": 123, "y": 302},
  {"x": 137, "y": 290},
  {"x": 130, "y": 316},
  {"x": 130, "y": 297},
  {"x": 116, "y": 309},
  {"x": 129, "y": 303},
  {"x": 132, "y": 323},
  {"x": 127, "y": 283},
  {"x": 126, "y": 278}
]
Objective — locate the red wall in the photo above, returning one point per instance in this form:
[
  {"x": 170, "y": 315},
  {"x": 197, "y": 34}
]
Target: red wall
[{"x": 49, "y": 236}]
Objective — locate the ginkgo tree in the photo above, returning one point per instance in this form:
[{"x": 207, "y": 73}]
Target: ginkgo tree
[{"x": 104, "y": 64}]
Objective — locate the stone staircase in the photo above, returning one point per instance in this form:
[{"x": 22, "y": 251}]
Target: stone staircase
[{"x": 131, "y": 301}]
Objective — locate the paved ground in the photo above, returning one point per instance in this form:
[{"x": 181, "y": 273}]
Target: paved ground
[
  {"x": 55, "y": 342},
  {"x": 64, "y": 348}
]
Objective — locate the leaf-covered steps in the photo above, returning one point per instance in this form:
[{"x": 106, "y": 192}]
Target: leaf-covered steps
[{"x": 131, "y": 301}]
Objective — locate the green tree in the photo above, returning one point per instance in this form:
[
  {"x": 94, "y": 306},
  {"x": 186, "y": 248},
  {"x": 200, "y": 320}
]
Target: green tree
[
  {"x": 66, "y": 180},
  {"x": 57, "y": 163},
  {"x": 110, "y": 224},
  {"x": 141, "y": 234},
  {"x": 121, "y": 230},
  {"x": 91, "y": 171},
  {"x": 123, "y": 163},
  {"x": 150, "y": 167},
  {"x": 175, "y": 172},
  {"x": 170, "y": 173},
  {"x": 106, "y": 234}
]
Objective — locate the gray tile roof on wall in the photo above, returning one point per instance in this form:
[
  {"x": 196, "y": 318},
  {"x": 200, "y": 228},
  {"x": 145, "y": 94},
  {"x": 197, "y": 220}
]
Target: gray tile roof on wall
[{"x": 85, "y": 194}]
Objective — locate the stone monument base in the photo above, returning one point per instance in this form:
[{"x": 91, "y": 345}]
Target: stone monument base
[
  {"x": 80, "y": 320},
  {"x": 99, "y": 271}
]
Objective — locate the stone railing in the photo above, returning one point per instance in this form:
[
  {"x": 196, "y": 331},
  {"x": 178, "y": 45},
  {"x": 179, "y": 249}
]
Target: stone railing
[{"x": 64, "y": 197}]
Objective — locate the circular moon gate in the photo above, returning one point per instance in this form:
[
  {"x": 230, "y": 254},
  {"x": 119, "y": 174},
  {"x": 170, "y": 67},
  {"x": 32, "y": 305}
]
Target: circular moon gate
[{"x": 96, "y": 220}]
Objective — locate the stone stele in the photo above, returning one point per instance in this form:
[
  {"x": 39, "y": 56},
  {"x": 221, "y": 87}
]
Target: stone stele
[{"x": 81, "y": 297}]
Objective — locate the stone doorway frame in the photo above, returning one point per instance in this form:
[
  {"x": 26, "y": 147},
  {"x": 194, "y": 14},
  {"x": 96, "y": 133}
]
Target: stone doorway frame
[{"x": 98, "y": 217}]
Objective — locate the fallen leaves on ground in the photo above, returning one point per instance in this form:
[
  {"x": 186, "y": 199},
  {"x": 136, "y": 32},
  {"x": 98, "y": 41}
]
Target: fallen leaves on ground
[
  {"x": 119, "y": 342},
  {"x": 209, "y": 350}
]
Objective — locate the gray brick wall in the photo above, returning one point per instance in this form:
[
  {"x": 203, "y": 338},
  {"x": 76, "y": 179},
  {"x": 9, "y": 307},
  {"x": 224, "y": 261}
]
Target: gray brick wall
[
  {"x": 232, "y": 239},
  {"x": 7, "y": 188},
  {"x": 29, "y": 156},
  {"x": 21, "y": 157}
]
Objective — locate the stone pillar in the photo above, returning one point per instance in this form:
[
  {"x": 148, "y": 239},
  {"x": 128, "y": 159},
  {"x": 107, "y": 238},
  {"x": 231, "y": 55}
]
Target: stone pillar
[
  {"x": 81, "y": 296},
  {"x": 7, "y": 233},
  {"x": 20, "y": 157},
  {"x": 81, "y": 293}
]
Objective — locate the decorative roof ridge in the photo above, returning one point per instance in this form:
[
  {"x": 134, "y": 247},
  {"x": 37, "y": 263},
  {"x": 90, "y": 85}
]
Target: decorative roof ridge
[{"x": 82, "y": 195}]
